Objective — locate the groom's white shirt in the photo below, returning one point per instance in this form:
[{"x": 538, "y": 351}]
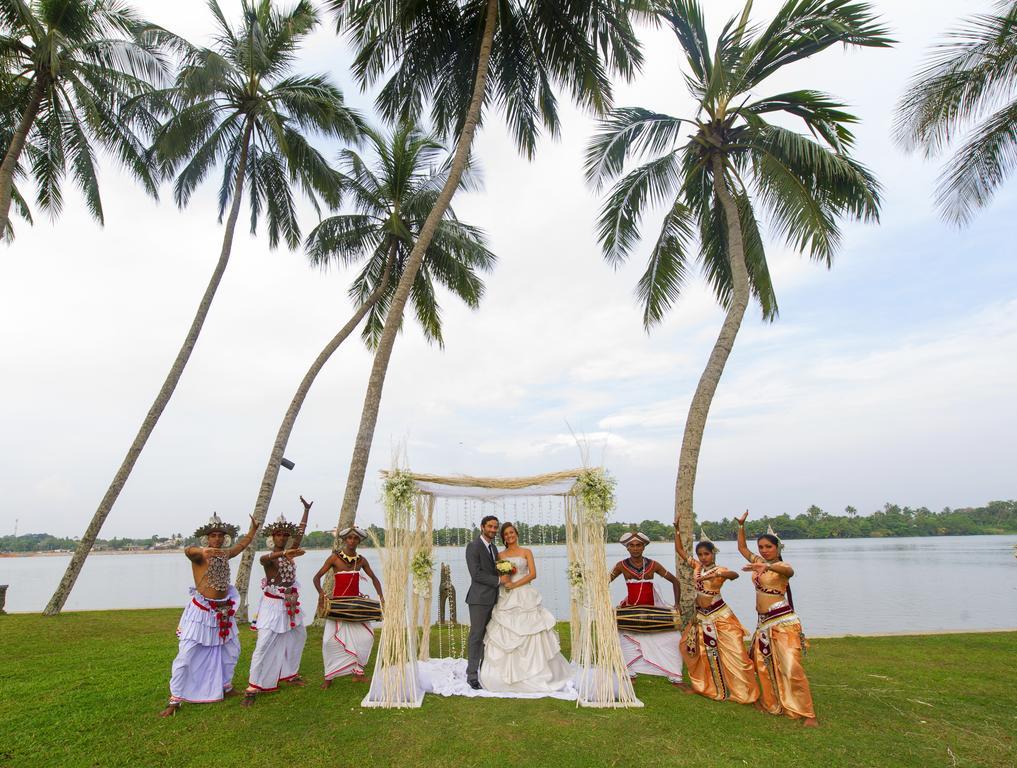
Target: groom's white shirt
[{"x": 487, "y": 543}]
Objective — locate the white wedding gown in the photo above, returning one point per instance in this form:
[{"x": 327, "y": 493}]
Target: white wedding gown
[{"x": 521, "y": 649}]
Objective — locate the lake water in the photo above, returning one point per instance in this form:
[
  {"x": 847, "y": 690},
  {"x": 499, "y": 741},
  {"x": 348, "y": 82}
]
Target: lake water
[{"x": 841, "y": 586}]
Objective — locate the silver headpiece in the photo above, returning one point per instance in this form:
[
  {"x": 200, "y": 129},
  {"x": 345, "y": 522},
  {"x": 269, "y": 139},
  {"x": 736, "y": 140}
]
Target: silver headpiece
[{"x": 780, "y": 541}]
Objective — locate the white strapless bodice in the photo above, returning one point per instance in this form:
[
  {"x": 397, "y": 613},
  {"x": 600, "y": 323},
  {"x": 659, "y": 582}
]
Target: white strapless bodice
[{"x": 522, "y": 567}]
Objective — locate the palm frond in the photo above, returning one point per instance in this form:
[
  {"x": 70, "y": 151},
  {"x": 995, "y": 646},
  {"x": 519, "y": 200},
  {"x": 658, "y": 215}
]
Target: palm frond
[
  {"x": 980, "y": 167},
  {"x": 626, "y": 132},
  {"x": 969, "y": 75},
  {"x": 646, "y": 186},
  {"x": 661, "y": 283}
]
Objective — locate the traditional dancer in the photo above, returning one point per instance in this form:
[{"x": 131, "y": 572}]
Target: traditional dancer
[
  {"x": 346, "y": 645},
  {"x": 649, "y": 653},
  {"x": 280, "y": 625},
  {"x": 713, "y": 644},
  {"x": 209, "y": 645},
  {"x": 778, "y": 642}
]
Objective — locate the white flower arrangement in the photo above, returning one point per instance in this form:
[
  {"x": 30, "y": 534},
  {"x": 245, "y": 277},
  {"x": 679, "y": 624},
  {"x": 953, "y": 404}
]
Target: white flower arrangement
[
  {"x": 422, "y": 570},
  {"x": 595, "y": 489},
  {"x": 575, "y": 576},
  {"x": 399, "y": 490}
]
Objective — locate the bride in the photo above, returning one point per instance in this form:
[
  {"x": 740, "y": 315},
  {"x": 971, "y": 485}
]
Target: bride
[{"x": 521, "y": 649}]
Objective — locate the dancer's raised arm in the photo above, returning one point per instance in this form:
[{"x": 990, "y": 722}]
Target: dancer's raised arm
[
  {"x": 743, "y": 546},
  {"x": 244, "y": 541},
  {"x": 299, "y": 538}
]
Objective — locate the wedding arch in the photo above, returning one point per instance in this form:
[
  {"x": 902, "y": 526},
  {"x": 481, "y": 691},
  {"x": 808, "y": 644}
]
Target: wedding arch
[{"x": 578, "y": 499}]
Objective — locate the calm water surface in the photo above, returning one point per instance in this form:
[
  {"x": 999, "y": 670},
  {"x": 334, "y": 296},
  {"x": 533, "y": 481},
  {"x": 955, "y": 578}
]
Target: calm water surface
[{"x": 846, "y": 586}]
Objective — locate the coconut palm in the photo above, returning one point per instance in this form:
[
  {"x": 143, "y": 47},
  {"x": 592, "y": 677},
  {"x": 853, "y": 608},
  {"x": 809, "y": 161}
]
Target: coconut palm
[
  {"x": 13, "y": 98},
  {"x": 78, "y": 64},
  {"x": 966, "y": 93},
  {"x": 456, "y": 57},
  {"x": 389, "y": 201},
  {"x": 237, "y": 107},
  {"x": 718, "y": 172}
]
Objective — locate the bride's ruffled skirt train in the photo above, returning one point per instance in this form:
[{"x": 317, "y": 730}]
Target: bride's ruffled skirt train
[{"x": 522, "y": 653}]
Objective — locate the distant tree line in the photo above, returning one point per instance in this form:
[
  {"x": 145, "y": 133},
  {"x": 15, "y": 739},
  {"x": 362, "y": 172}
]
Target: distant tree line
[{"x": 996, "y": 517}]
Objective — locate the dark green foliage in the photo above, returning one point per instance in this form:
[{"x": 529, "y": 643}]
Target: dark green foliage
[
  {"x": 996, "y": 517},
  {"x": 800, "y": 185},
  {"x": 90, "y": 60},
  {"x": 389, "y": 197},
  {"x": 243, "y": 87},
  {"x": 427, "y": 53}
]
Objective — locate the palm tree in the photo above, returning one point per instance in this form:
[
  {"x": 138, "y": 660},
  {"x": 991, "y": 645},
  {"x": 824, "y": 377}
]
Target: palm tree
[
  {"x": 237, "y": 105},
  {"x": 458, "y": 56},
  {"x": 13, "y": 97},
  {"x": 966, "y": 89},
  {"x": 717, "y": 171},
  {"x": 390, "y": 201},
  {"x": 78, "y": 66}
]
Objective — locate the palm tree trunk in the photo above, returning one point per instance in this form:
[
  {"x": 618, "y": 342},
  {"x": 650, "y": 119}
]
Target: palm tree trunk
[
  {"x": 18, "y": 141},
  {"x": 372, "y": 400},
  {"x": 56, "y": 603},
  {"x": 699, "y": 409},
  {"x": 283, "y": 436}
]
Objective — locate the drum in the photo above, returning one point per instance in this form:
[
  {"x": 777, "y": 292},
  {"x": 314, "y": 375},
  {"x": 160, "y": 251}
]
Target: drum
[
  {"x": 353, "y": 609},
  {"x": 645, "y": 618}
]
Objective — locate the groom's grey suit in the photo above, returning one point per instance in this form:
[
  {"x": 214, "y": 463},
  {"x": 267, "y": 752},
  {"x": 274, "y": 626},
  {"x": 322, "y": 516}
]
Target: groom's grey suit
[{"x": 481, "y": 597}]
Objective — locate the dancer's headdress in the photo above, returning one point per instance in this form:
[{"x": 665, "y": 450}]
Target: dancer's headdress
[
  {"x": 282, "y": 525},
  {"x": 780, "y": 542},
  {"x": 215, "y": 525},
  {"x": 630, "y": 535},
  {"x": 353, "y": 529},
  {"x": 704, "y": 539}
]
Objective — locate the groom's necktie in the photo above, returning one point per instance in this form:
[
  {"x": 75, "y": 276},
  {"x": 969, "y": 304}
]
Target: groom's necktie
[{"x": 493, "y": 551}]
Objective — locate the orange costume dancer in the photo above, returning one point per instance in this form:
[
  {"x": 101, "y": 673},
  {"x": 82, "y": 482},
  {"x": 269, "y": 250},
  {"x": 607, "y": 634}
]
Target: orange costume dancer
[
  {"x": 713, "y": 644},
  {"x": 778, "y": 642}
]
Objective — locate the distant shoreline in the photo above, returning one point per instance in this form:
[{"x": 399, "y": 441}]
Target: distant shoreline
[{"x": 180, "y": 550}]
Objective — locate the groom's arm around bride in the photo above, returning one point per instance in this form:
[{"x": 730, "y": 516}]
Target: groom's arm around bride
[{"x": 481, "y": 554}]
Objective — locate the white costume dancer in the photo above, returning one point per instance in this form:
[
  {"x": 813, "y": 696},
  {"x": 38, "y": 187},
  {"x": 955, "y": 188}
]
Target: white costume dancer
[
  {"x": 209, "y": 646},
  {"x": 281, "y": 637},
  {"x": 346, "y": 645},
  {"x": 521, "y": 649},
  {"x": 208, "y": 650},
  {"x": 647, "y": 653},
  {"x": 280, "y": 623}
]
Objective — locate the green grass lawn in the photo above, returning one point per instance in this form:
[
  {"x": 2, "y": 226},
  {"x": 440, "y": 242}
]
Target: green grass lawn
[{"x": 83, "y": 689}]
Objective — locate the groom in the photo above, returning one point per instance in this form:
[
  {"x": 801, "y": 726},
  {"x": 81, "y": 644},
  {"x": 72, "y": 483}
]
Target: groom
[{"x": 481, "y": 555}]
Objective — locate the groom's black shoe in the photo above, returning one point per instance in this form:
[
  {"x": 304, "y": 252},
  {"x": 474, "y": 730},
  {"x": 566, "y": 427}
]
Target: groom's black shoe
[{"x": 474, "y": 684}]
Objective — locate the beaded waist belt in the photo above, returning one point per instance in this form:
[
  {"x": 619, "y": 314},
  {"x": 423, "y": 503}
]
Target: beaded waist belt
[
  {"x": 782, "y": 614},
  {"x": 711, "y": 610},
  {"x": 284, "y": 590}
]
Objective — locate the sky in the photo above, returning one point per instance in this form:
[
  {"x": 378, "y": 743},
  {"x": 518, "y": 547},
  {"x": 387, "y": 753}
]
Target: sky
[{"x": 888, "y": 378}]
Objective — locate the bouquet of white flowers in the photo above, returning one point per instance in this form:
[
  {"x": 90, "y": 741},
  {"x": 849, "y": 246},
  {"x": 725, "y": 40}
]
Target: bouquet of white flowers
[{"x": 505, "y": 567}]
